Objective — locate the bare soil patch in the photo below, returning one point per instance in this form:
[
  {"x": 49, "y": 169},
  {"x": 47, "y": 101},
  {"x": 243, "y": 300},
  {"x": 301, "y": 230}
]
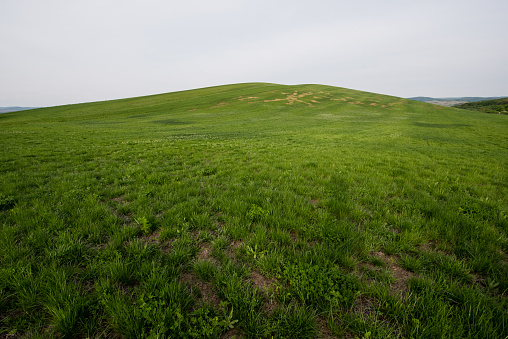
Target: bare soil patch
[
  {"x": 236, "y": 244},
  {"x": 125, "y": 217},
  {"x": 294, "y": 236},
  {"x": 401, "y": 276},
  {"x": 261, "y": 281},
  {"x": 204, "y": 253},
  {"x": 365, "y": 306},
  {"x": 222, "y": 104},
  {"x": 324, "y": 331},
  {"x": 120, "y": 200},
  {"x": 150, "y": 238},
  {"x": 232, "y": 334},
  {"x": 206, "y": 290}
]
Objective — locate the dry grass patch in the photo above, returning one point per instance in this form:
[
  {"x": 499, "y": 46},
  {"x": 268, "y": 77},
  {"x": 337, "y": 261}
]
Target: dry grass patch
[
  {"x": 246, "y": 98},
  {"x": 222, "y": 104}
]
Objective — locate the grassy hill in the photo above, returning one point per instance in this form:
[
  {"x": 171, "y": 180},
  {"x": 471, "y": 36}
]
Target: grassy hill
[
  {"x": 497, "y": 106},
  {"x": 254, "y": 210}
]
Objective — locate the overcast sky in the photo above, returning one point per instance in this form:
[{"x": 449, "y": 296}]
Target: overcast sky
[{"x": 55, "y": 52}]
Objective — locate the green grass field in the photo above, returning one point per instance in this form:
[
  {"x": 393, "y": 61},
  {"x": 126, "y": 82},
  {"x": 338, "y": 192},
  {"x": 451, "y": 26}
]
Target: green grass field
[{"x": 254, "y": 211}]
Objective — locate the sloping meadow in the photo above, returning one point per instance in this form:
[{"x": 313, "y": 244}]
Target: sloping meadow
[{"x": 254, "y": 210}]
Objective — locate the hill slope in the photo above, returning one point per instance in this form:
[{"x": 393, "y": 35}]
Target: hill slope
[{"x": 256, "y": 210}]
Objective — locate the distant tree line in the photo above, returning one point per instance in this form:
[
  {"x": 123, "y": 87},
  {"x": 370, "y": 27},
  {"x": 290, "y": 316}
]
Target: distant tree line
[{"x": 497, "y": 106}]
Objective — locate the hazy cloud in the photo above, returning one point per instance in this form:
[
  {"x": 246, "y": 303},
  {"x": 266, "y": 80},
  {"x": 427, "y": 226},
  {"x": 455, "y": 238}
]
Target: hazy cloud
[{"x": 57, "y": 52}]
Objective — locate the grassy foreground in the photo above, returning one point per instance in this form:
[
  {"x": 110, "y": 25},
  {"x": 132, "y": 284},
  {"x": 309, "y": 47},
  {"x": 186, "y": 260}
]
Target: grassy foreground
[{"x": 254, "y": 210}]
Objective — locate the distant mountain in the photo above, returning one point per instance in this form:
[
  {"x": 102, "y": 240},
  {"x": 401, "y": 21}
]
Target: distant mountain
[
  {"x": 14, "y": 109},
  {"x": 452, "y": 101},
  {"x": 495, "y": 106}
]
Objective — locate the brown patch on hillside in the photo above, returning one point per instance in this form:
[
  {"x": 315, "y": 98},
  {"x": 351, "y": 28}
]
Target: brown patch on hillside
[
  {"x": 270, "y": 306},
  {"x": 294, "y": 236},
  {"x": 191, "y": 110},
  {"x": 324, "y": 331},
  {"x": 233, "y": 248},
  {"x": 121, "y": 200},
  {"x": 295, "y": 97},
  {"x": 373, "y": 104},
  {"x": 125, "y": 217},
  {"x": 205, "y": 289},
  {"x": 222, "y": 104},
  {"x": 236, "y": 244},
  {"x": 400, "y": 276},
  {"x": 426, "y": 247},
  {"x": 433, "y": 246},
  {"x": 365, "y": 306},
  {"x": 204, "y": 253},
  {"x": 165, "y": 246},
  {"x": 150, "y": 238},
  {"x": 267, "y": 286},
  {"x": 247, "y": 98},
  {"x": 232, "y": 334},
  {"x": 261, "y": 282}
]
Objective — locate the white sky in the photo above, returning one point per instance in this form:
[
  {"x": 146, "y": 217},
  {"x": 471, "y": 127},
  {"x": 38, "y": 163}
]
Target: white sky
[{"x": 55, "y": 52}]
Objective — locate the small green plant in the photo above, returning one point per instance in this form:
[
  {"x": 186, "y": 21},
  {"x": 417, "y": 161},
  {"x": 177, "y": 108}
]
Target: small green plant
[
  {"x": 256, "y": 213},
  {"x": 324, "y": 288},
  {"x": 492, "y": 284},
  {"x": 255, "y": 252},
  {"x": 206, "y": 322},
  {"x": 144, "y": 225},
  {"x": 367, "y": 335}
]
